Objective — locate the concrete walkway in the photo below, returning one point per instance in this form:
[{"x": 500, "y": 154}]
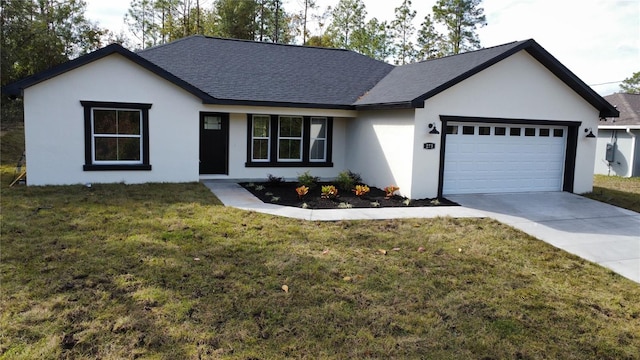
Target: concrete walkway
[{"x": 602, "y": 233}]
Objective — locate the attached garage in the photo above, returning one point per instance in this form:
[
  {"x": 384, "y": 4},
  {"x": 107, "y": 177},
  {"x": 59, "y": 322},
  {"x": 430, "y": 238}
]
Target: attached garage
[{"x": 502, "y": 157}]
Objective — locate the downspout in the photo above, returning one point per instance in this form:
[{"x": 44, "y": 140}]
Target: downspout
[{"x": 633, "y": 152}]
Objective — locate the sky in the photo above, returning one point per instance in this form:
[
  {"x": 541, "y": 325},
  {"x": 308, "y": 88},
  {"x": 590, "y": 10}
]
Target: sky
[{"x": 598, "y": 40}]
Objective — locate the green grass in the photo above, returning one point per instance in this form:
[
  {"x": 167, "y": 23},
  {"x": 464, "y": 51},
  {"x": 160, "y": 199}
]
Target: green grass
[
  {"x": 162, "y": 271},
  {"x": 615, "y": 190}
]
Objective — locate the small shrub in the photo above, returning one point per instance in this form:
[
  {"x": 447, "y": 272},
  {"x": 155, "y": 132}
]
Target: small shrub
[
  {"x": 275, "y": 198},
  {"x": 329, "y": 192},
  {"x": 389, "y": 190},
  {"x": 259, "y": 188},
  {"x": 302, "y": 191},
  {"x": 304, "y": 206},
  {"x": 268, "y": 193},
  {"x": 274, "y": 180},
  {"x": 406, "y": 202},
  {"x": 361, "y": 190},
  {"x": 344, "y": 181},
  {"x": 357, "y": 179},
  {"x": 250, "y": 185},
  {"x": 306, "y": 179},
  {"x": 435, "y": 202},
  {"x": 375, "y": 204}
]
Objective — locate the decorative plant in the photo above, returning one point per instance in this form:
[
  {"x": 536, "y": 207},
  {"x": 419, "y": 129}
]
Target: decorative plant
[
  {"x": 345, "y": 205},
  {"x": 361, "y": 190},
  {"x": 406, "y": 202},
  {"x": 344, "y": 181},
  {"x": 389, "y": 190},
  {"x": 306, "y": 179},
  {"x": 329, "y": 192},
  {"x": 259, "y": 188},
  {"x": 274, "y": 180},
  {"x": 302, "y": 191}
]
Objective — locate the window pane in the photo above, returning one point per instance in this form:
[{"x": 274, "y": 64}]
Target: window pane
[
  {"x": 260, "y": 149},
  {"x": 317, "y": 149},
  {"x": 212, "y": 123},
  {"x": 290, "y": 126},
  {"x": 484, "y": 130},
  {"x": 514, "y": 131},
  {"x": 104, "y": 122},
  {"x": 544, "y": 132},
  {"x": 529, "y": 132},
  {"x": 289, "y": 149},
  {"x": 558, "y": 132},
  {"x": 452, "y": 129},
  {"x": 106, "y": 148},
  {"x": 468, "y": 130},
  {"x": 261, "y": 126},
  {"x": 500, "y": 131},
  {"x": 318, "y": 128},
  {"x": 129, "y": 122},
  {"x": 129, "y": 149}
]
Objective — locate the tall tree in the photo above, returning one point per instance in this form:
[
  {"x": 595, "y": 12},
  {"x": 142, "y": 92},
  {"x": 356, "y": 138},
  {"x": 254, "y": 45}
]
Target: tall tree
[
  {"x": 141, "y": 19},
  {"x": 460, "y": 18},
  {"x": 347, "y": 18},
  {"x": 236, "y": 18},
  {"x": 39, "y": 34},
  {"x": 429, "y": 40},
  {"x": 631, "y": 85},
  {"x": 308, "y": 5},
  {"x": 374, "y": 40},
  {"x": 272, "y": 22},
  {"x": 403, "y": 32}
]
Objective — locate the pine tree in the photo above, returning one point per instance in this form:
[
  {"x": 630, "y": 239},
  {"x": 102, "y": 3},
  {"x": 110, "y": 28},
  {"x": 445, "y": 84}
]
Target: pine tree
[
  {"x": 460, "y": 18},
  {"x": 403, "y": 31}
]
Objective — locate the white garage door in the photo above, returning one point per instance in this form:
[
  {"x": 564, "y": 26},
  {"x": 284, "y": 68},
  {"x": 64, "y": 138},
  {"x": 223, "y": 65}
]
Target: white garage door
[{"x": 495, "y": 158}]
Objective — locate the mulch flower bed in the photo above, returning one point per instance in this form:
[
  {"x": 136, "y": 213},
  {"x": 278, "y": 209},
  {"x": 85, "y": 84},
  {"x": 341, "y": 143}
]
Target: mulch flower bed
[{"x": 284, "y": 193}]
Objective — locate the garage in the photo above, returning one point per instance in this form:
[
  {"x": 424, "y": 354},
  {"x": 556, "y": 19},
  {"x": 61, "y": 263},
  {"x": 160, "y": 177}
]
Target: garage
[{"x": 502, "y": 157}]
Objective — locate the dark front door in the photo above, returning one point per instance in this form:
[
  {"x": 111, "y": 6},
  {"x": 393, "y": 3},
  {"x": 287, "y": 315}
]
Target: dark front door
[{"x": 214, "y": 143}]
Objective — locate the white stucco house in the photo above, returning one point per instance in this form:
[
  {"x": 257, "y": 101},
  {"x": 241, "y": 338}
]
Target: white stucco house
[
  {"x": 618, "y": 149},
  {"x": 508, "y": 118}
]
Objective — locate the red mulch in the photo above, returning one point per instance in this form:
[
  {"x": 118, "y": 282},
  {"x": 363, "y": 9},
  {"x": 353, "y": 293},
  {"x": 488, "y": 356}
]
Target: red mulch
[{"x": 287, "y": 195}]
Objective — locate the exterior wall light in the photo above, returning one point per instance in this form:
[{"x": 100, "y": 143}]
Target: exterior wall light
[
  {"x": 590, "y": 133},
  {"x": 433, "y": 128}
]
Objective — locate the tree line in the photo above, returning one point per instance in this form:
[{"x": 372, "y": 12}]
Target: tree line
[
  {"x": 154, "y": 22},
  {"x": 39, "y": 34}
]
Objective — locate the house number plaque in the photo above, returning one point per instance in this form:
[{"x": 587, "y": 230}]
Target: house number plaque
[{"x": 429, "y": 146}]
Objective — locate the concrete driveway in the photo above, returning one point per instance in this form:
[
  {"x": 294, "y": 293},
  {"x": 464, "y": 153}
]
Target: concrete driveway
[{"x": 605, "y": 234}]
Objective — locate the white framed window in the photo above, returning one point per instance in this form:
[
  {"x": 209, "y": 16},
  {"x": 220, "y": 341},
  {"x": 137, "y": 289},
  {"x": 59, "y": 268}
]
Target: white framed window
[
  {"x": 318, "y": 139},
  {"x": 260, "y": 139},
  {"x": 116, "y": 136},
  {"x": 290, "y": 138}
]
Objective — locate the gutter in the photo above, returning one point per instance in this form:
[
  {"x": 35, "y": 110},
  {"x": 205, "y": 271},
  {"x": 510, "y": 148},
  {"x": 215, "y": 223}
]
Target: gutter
[{"x": 633, "y": 151}]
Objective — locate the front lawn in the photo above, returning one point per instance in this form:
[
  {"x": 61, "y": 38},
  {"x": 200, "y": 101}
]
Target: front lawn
[
  {"x": 616, "y": 190},
  {"x": 164, "y": 271}
]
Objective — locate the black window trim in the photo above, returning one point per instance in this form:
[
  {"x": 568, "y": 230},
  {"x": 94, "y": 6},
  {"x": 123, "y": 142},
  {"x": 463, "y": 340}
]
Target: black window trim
[
  {"x": 88, "y": 138},
  {"x": 273, "y": 143}
]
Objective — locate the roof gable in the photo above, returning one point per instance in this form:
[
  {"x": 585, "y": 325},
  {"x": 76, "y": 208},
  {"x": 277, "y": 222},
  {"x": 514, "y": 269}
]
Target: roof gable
[
  {"x": 17, "y": 88},
  {"x": 410, "y": 85}
]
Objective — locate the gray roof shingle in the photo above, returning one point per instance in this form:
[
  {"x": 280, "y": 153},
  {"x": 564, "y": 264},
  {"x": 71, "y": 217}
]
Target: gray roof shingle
[
  {"x": 629, "y": 107},
  {"x": 249, "y": 71}
]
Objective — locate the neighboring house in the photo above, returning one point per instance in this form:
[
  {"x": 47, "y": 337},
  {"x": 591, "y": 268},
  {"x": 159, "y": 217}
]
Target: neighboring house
[
  {"x": 503, "y": 119},
  {"x": 618, "y": 150}
]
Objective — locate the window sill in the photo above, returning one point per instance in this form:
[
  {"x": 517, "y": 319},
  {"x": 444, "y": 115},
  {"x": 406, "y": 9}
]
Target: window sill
[
  {"x": 287, "y": 164},
  {"x": 116, "y": 167}
]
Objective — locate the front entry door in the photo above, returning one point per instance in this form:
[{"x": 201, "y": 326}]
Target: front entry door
[{"x": 214, "y": 143}]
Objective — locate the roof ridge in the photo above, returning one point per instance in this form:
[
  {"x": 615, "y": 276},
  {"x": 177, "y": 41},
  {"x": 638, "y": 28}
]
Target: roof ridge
[{"x": 475, "y": 51}]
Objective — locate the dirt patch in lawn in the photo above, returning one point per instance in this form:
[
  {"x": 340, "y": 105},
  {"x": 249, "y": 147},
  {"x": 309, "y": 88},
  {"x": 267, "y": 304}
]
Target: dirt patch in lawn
[{"x": 285, "y": 194}]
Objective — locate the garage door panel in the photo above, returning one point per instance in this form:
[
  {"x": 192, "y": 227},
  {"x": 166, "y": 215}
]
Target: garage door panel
[{"x": 504, "y": 163}]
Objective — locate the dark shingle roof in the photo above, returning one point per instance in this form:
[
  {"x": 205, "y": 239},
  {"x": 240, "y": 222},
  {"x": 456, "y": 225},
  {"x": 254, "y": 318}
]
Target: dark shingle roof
[
  {"x": 629, "y": 107},
  {"x": 248, "y": 71},
  {"x": 239, "y": 72},
  {"x": 410, "y": 85}
]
